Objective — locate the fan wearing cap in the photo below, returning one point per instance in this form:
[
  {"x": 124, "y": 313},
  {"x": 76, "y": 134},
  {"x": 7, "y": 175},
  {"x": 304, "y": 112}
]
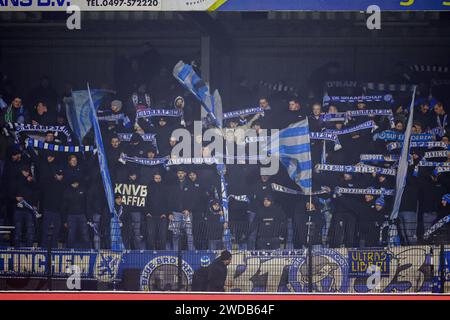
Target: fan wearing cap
[
  {"x": 217, "y": 272},
  {"x": 200, "y": 277},
  {"x": 24, "y": 189},
  {"x": 186, "y": 120},
  {"x": 51, "y": 187},
  {"x": 115, "y": 126}
]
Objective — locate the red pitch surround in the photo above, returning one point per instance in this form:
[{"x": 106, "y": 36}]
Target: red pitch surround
[{"x": 209, "y": 296}]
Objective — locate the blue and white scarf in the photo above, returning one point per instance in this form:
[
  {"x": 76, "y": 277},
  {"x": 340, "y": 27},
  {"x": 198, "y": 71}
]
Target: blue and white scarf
[
  {"x": 438, "y": 131},
  {"x": 436, "y": 226},
  {"x": 116, "y": 118},
  {"x": 366, "y": 125},
  {"x": 431, "y": 144},
  {"x": 446, "y": 197},
  {"x": 436, "y": 154},
  {"x": 24, "y": 204},
  {"x": 146, "y": 113},
  {"x": 244, "y": 112},
  {"x": 439, "y": 170},
  {"x": 372, "y": 191},
  {"x": 220, "y": 157},
  {"x": 180, "y": 161},
  {"x": 389, "y": 135},
  {"x": 378, "y": 158},
  {"x": 345, "y": 116},
  {"x": 20, "y": 127},
  {"x": 255, "y": 139},
  {"x": 355, "y": 169},
  {"x": 33, "y": 143},
  {"x": 148, "y": 137},
  {"x": 395, "y": 157},
  {"x": 424, "y": 163},
  {"x": 333, "y": 117},
  {"x": 327, "y": 100},
  {"x": 326, "y": 136},
  {"x": 240, "y": 198},
  {"x": 279, "y": 188},
  {"x": 143, "y": 161}
]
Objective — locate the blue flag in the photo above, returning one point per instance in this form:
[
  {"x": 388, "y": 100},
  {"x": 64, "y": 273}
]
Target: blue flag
[
  {"x": 116, "y": 239},
  {"x": 212, "y": 105},
  {"x": 402, "y": 171},
  {"x": 294, "y": 151},
  {"x": 78, "y": 110}
]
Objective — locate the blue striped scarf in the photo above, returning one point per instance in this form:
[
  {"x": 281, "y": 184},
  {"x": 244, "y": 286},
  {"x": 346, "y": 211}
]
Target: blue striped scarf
[
  {"x": 243, "y": 112},
  {"x": 366, "y": 125},
  {"x": 146, "y": 113},
  {"x": 355, "y": 169},
  {"x": 33, "y": 143}
]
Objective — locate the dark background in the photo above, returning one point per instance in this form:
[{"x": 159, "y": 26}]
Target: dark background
[{"x": 245, "y": 47}]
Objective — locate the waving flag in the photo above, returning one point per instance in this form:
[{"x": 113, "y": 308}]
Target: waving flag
[
  {"x": 79, "y": 108},
  {"x": 295, "y": 153},
  {"x": 402, "y": 172},
  {"x": 212, "y": 104},
  {"x": 116, "y": 239}
]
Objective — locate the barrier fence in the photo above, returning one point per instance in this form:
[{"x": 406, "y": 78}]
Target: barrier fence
[{"x": 410, "y": 269}]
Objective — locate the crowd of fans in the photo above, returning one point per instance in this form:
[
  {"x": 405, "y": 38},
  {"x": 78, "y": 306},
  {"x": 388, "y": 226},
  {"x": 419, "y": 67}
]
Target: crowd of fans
[{"x": 164, "y": 207}]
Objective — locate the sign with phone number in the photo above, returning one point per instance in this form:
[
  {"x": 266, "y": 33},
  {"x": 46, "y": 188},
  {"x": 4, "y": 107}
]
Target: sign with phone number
[{"x": 223, "y": 5}]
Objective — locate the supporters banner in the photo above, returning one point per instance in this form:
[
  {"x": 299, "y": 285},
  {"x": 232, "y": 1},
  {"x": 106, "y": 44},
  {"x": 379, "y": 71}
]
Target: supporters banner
[{"x": 399, "y": 269}]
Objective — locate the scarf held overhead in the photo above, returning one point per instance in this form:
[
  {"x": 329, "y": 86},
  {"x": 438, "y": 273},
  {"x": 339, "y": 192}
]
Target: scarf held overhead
[
  {"x": 20, "y": 127},
  {"x": 372, "y": 191},
  {"x": 146, "y": 113},
  {"x": 366, "y": 125},
  {"x": 33, "y": 143},
  {"x": 355, "y": 169}
]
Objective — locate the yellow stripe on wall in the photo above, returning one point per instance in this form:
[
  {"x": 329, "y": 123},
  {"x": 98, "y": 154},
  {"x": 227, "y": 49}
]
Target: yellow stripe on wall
[{"x": 216, "y": 5}]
